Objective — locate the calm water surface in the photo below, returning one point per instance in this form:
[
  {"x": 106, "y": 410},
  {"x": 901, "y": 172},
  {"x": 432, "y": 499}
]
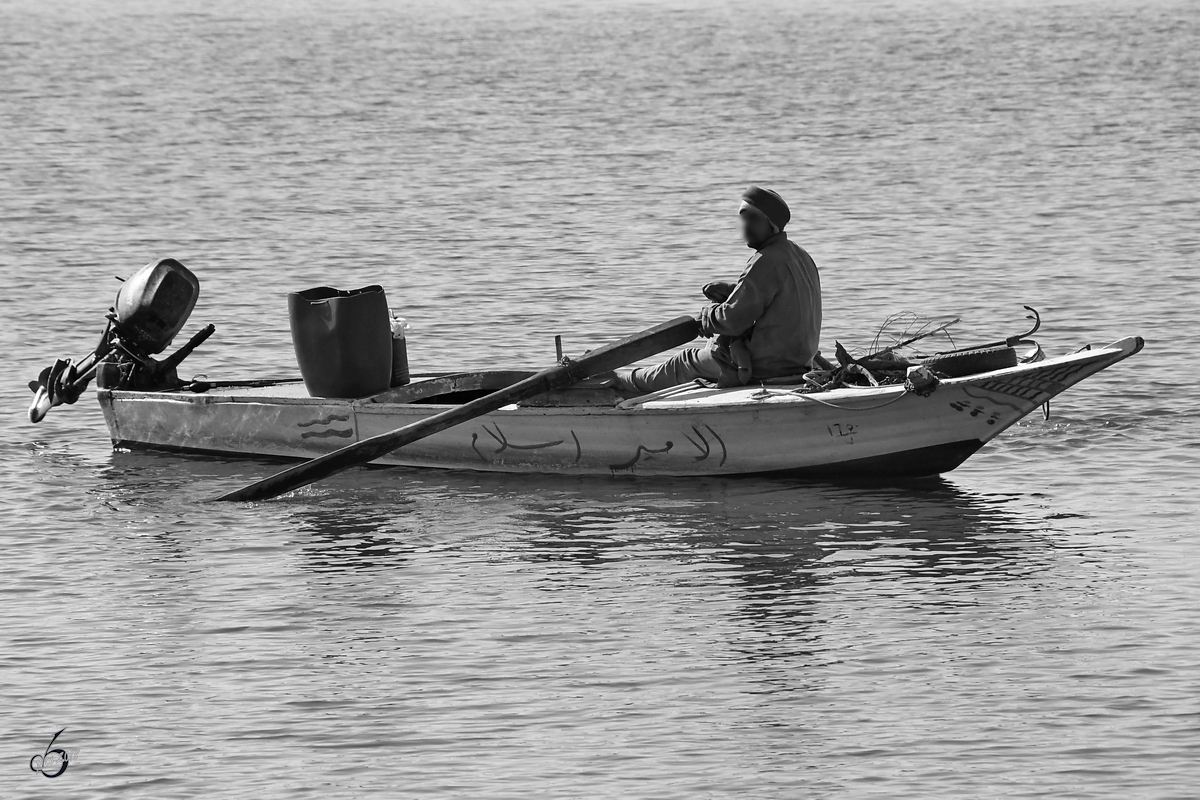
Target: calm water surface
[{"x": 1028, "y": 626}]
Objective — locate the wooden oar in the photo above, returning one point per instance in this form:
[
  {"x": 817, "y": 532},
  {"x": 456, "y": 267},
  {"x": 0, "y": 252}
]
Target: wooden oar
[{"x": 643, "y": 345}]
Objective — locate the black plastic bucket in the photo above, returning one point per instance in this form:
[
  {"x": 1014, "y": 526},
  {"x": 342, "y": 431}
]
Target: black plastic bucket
[{"x": 343, "y": 340}]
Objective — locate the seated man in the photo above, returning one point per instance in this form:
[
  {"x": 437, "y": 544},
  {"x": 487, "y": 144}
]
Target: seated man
[{"x": 767, "y": 325}]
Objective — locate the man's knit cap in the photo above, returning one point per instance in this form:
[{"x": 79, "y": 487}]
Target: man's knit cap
[{"x": 767, "y": 203}]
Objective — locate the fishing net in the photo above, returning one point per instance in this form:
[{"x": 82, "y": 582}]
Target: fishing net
[
  {"x": 905, "y": 326},
  {"x": 902, "y": 341}
]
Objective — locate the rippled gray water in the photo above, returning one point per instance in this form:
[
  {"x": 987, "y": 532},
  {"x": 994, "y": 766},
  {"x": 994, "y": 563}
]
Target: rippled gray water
[{"x": 1026, "y": 626}]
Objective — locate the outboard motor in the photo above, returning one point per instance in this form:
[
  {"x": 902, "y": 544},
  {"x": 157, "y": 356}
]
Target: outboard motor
[{"x": 151, "y": 307}]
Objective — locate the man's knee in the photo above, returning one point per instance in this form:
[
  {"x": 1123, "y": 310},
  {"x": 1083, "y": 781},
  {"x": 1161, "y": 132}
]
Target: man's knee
[{"x": 683, "y": 367}]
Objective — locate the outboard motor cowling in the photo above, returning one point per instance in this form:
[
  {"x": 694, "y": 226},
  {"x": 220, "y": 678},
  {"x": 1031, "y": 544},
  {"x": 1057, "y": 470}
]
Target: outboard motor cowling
[{"x": 154, "y": 304}]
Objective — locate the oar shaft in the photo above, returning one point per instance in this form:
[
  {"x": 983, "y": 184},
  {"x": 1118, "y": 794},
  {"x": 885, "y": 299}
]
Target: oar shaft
[
  {"x": 378, "y": 446},
  {"x": 650, "y": 342}
]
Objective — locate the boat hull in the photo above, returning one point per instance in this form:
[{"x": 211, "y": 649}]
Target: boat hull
[{"x": 682, "y": 431}]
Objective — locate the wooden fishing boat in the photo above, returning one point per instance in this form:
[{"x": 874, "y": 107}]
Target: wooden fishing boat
[
  {"x": 558, "y": 420},
  {"x": 592, "y": 429}
]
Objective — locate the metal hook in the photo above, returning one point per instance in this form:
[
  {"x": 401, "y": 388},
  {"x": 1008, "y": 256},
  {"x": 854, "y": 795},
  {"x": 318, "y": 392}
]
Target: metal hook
[
  {"x": 1037, "y": 323},
  {"x": 1037, "y": 320}
]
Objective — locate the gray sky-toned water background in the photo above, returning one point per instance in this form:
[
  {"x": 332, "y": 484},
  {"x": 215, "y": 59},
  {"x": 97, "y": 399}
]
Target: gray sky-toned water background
[{"x": 1026, "y": 627}]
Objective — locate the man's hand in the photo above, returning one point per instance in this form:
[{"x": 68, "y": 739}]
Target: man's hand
[{"x": 718, "y": 291}]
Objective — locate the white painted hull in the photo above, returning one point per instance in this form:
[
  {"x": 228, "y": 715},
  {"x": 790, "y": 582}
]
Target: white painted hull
[{"x": 682, "y": 431}]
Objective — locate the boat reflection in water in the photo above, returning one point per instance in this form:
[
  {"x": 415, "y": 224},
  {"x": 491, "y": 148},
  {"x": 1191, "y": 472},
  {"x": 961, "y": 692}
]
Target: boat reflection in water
[
  {"x": 772, "y": 545},
  {"x": 777, "y": 573},
  {"x": 771, "y": 530}
]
